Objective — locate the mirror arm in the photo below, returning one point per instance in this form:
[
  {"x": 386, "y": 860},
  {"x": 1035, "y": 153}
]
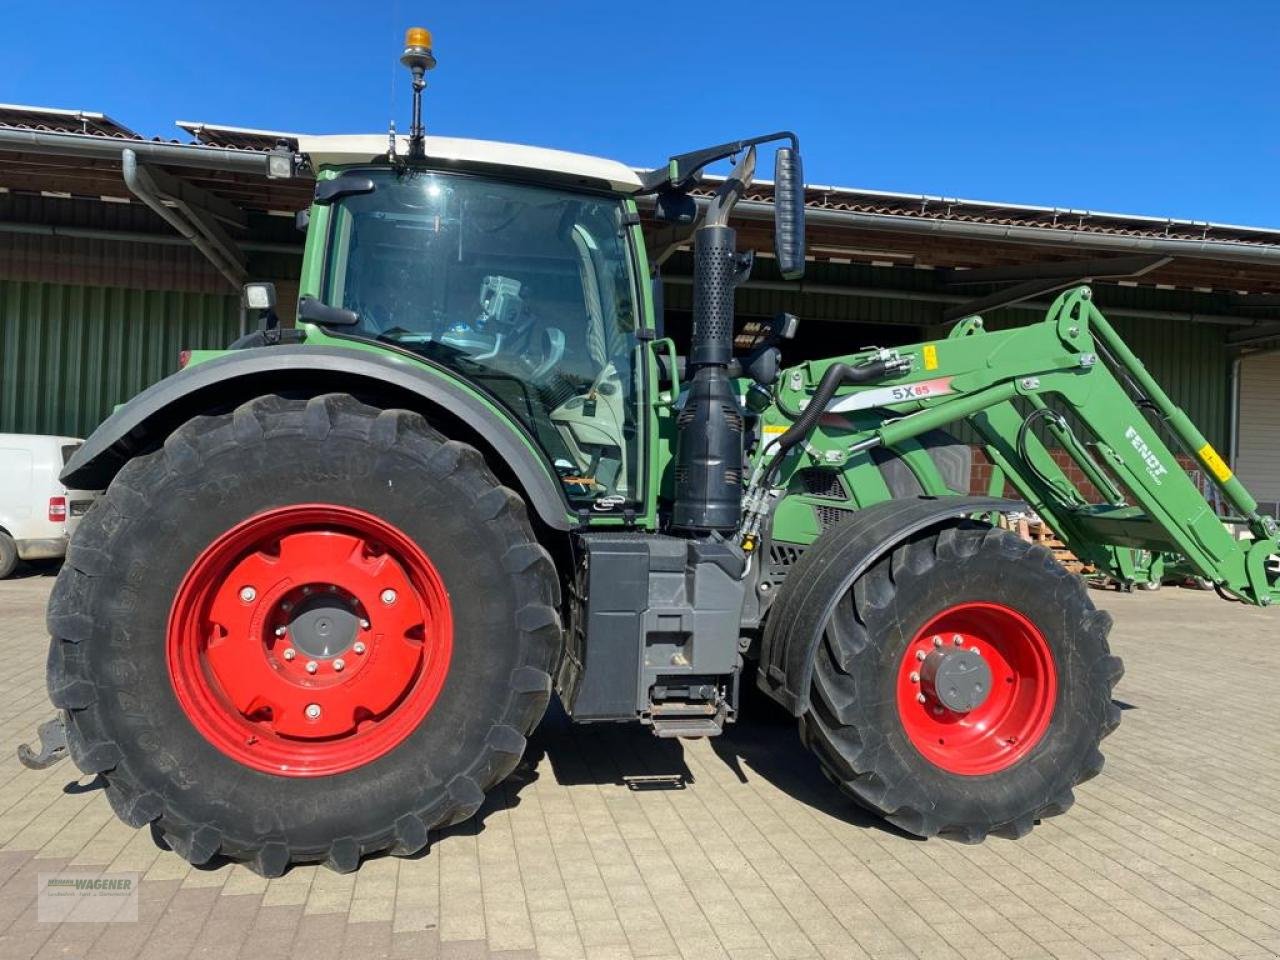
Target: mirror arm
[{"x": 681, "y": 171}]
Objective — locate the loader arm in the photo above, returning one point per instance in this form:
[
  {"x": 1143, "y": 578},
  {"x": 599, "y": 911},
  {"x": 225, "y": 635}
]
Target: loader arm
[{"x": 1070, "y": 378}]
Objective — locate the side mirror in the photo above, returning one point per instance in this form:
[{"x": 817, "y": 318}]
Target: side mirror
[{"x": 788, "y": 213}]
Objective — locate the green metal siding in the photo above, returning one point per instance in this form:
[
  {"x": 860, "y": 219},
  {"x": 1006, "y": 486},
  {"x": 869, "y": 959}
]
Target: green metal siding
[
  {"x": 1189, "y": 360},
  {"x": 70, "y": 353}
]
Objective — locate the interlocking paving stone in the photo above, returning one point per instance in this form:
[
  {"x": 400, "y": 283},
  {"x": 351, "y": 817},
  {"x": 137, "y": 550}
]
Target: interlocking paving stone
[{"x": 607, "y": 843}]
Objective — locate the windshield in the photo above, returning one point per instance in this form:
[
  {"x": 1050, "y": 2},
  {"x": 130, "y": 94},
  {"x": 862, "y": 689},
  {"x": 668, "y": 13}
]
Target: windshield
[{"x": 527, "y": 291}]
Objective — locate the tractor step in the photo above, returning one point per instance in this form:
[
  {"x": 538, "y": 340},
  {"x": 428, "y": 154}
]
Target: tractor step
[{"x": 688, "y": 719}]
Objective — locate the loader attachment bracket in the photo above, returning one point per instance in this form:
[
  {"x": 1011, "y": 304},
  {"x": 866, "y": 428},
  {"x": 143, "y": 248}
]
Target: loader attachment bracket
[{"x": 829, "y": 567}]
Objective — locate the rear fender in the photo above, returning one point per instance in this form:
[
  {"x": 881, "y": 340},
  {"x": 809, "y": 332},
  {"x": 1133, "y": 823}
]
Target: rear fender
[
  {"x": 828, "y": 568},
  {"x": 221, "y": 384}
]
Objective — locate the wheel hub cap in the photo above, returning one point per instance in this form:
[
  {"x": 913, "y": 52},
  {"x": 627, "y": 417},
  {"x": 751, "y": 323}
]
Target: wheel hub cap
[
  {"x": 976, "y": 688},
  {"x": 283, "y": 654},
  {"x": 958, "y": 679},
  {"x": 325, "y": 626}
]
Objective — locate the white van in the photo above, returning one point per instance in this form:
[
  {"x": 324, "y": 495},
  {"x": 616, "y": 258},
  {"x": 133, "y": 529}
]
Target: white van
[{"x": 37, "y": 513}]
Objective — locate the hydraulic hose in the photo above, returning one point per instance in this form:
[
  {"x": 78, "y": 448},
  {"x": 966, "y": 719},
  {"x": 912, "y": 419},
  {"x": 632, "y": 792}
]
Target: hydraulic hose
[{"x": 836, "y": 376}]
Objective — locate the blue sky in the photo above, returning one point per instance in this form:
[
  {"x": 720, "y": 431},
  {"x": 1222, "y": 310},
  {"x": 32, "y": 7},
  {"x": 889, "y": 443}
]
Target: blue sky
[{"x": 1169, "y": 108}]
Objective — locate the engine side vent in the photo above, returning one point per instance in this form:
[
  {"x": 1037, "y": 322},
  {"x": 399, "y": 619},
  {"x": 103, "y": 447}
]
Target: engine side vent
[
  {"x": 782, "y": 556},
  {"x": 830, "y": 516},
  {"x": 819, "y": 482}
]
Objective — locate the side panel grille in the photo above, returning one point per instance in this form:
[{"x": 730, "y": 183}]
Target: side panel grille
[
  {"x": 830, "y": 516},
  {"x": 781, "y": 558},
  {"x": 823, "y": 483}
]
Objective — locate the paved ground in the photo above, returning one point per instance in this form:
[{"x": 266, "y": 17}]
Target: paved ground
[{"x": 611, "y": 844}]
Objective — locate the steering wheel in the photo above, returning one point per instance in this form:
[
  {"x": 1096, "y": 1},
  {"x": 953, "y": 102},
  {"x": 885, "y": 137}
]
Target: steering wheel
[{"x": 541, "y": 352}]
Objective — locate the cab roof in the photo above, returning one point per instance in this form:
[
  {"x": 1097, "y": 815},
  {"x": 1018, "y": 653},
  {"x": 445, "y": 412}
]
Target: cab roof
[{"x": 344, "y": 149}]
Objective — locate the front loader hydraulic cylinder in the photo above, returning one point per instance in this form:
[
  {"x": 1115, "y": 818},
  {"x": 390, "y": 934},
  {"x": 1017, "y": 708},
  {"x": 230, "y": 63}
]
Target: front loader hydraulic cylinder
[{"x": 896, "y": 431}]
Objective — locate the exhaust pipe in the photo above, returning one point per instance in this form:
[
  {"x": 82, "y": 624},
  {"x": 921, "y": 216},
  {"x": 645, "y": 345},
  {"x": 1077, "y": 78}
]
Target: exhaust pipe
[{"x": 708, "y": 470}]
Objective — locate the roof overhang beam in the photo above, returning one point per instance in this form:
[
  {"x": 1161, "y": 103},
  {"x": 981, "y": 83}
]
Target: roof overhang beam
[
  {"x": 1053, "y": 277},
  {"x": 1071, "y": 270}
]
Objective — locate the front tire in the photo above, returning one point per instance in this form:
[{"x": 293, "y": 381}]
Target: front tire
[
  {"x": 307, "y": 631},
  {"x": 962, "y": 686}
]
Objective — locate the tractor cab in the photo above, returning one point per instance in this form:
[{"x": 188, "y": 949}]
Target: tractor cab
[
  {"x": 523, "y": 281},
  {"x": 523, "y": 273}
]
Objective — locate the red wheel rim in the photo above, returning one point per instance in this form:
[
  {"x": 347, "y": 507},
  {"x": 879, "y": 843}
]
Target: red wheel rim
[
  {"x": 309, "y": 640},
  {"x": 1015, "y": 707}
]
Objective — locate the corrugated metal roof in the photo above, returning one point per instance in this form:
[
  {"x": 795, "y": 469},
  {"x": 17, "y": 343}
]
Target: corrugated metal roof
[
  {"x": 818, "y": 196},
  {"x": 930, "y": 207},
  {"x": 849, "y": 223}
]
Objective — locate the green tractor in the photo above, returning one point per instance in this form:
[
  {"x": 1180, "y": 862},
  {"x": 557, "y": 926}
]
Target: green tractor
[{"x": 341, "y": 567}]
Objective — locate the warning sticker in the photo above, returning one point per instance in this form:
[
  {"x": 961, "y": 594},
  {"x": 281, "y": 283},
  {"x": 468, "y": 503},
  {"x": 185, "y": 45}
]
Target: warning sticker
[
  {"x": 1217, "y": 466},
  {"x": 774, "y": 429},
  {"x": 930, "y": 354}
]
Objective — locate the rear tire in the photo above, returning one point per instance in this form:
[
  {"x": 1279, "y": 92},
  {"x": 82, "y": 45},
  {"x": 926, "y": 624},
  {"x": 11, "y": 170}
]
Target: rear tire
[
  {"x": 863, "y": 723},
  {"x": 8, "y": 555},
  {"x": 116, "y": 616}
]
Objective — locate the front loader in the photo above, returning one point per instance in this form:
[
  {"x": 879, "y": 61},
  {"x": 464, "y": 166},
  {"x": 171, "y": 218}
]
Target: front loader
[{"x": 341, "y": 568}]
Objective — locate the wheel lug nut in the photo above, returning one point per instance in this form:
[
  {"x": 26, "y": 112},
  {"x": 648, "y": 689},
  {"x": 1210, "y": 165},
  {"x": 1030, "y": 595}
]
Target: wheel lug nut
[
  {"x": 358, "y": 647},
  {"x": 920, "y": 654},
  {"x": 289, "y": 653},
  {"x": 937, "y": 641},
  {"x": 957, "y": 640},
  {"x": 313, "y": 711},
  {"x": 312, "y": 666},
  {"x": 915, "y": 677},
  {"x": 281, "y": 631},
  {"x": 921, "y": 698},
  {"x": 248, "y": 594},
  {"x": 364, "y": 624},
  {"x": 339, "y": 664},
  {"x": 388, "y": 596}
]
